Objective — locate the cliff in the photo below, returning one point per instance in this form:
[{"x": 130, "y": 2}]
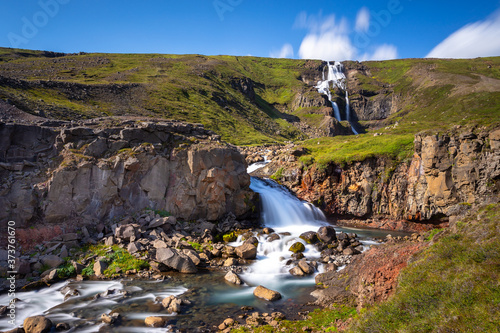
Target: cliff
[
  {"x": 111, "y": 167},
  {"x": 444, "y": 177}
]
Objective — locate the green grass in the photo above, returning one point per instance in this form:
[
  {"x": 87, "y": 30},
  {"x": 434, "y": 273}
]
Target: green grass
[
  {"x": 453, "y": 286},
  {"x": 320, "y": 320},
  {"x": 342, "y": 150}
]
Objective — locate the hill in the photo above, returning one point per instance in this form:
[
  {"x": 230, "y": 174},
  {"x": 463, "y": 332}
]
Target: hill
[{"x": 249, "y": 100}]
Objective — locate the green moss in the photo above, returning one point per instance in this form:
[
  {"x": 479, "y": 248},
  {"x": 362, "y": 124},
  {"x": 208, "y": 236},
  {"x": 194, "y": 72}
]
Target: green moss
[
  {"x": 277, "y": 175},
  {"x": 297, "y": 247},
  {"x": 230, "y": 237}
]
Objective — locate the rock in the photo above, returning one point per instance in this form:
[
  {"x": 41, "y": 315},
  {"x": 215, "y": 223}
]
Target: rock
[
  {"x": 296, "y": 271},
  {"x": 175, "y": 260},
  {"x": 99, "y": 267},
  {"x": 107, "y": 319},
  {"x": 78, "y": 267},
  {"x": 155, "y": 321},
  {"x": 172, "y": 304},
  {"x": 110, "y": 241},
  {"x": 306, "y": 267},
  {"x": 37, "y": 324},
  {"x": 327, "y": 234},
  {"x": 297, "y": 247},
  {"x": 272, "y": 237},
  {"x": 52, "y": 261},
  {"x": 268, "y": 230},
  {"x": 267, "y": 294},
  {"x": 233, "y": 278},
  {"x": 246, "y": 251},
  {"x": 252, "y": 240},
  {"x": 310, "y": 237},
  {"x": 70, "y": 237},
  {"x": 134, "y": 247},
  {"x": 162, "y": 222},
  {"x": 125, "y": 232},
  {"x": 230, "y": 262},
  {"x": 62, "y": 327},
  {"x": 193, "y": 255}
]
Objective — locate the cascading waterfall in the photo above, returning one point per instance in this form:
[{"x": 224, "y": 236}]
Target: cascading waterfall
[
  {"x": 337, "y": 78},
  {"x": 348, "y": 111}
]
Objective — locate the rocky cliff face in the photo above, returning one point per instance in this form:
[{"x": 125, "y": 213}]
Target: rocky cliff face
[
  {"x": 110, "y": 168},
  {"x": 445, "y": 176}
]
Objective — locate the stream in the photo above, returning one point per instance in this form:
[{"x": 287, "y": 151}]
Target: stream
[{"x": 212, "y": 298}]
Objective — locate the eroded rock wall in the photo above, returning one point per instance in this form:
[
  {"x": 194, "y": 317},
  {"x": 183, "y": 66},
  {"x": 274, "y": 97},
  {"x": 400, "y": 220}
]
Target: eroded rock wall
[
  {"x": 100, "y": 173},
  {"x": 445, "y": 176}
]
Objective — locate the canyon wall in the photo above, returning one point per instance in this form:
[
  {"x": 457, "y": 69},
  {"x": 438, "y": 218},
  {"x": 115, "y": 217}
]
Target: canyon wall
[
  {"x": 97, "y": 171},
  {"x": 445, "y": 176}
]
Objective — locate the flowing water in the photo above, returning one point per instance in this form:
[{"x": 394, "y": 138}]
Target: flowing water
[
  {"x": 212, "y": 298},
  {"x": 336, "y": 78}
]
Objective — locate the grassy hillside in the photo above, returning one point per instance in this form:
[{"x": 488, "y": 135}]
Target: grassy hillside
[
  {"x": 251, "y": 100},
  {"x": 192, "y": 88},
  {"x": 429, "y": 95},
  {"x": 453, "y": 286}
]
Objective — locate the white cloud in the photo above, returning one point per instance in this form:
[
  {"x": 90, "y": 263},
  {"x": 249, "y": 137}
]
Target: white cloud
[
  {"x": 383, "y": 52},
  {"x": 285, "y": 52},
  {"x": 363, "y": 20},
  {"x": 330, "y": 39},
  {"x": 479, "y": 39}
]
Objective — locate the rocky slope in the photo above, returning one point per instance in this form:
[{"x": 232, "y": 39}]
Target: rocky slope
[
  {"x": 104, "y": 169},
  {"x": 445, "y": 176}
]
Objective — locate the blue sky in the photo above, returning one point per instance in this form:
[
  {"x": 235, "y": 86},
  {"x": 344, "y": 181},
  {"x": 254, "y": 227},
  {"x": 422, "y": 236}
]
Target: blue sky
[{"x": 328, "y": 30}]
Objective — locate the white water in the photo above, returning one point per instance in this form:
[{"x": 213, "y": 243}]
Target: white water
[
  {"x": 50, "y": 302},
  {"x": 289, "y": 217},
  {"x": 348, "y": 112},
  {"x": 336, "y": 77}
]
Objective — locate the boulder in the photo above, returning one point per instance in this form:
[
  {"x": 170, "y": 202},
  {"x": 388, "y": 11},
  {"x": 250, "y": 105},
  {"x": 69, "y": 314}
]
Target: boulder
[
  {"x": 155, "y": 321},
  {"x": 37, "y": 324},
  {"x": 175, "y": 260},
  {"x": 297, "y": 247},
  {"x": 273, "y": 237},
  {"x": 246, "y": 251},
  {"x": 296, "y": 271},
  {"x": 164, "y": 222},
  {"x": 52, "y": 261},
  {"x": 193, "y": 255},
  {"x": 310, "y": 237},
  {"x": 127, "y": 231},
  {"x": 252, "y": 240},
  {"x": 233, "y": 278},
  {"x": 327, "y": 234},
  {"x": 107, "y": 319},
  {"x": 134, "y": 247},
  {"x": 172, "y": 304},
  {"x": 267, "y": 294},
  {"x": 99, "y": 267},
  {"x": 306, "y": 267}
]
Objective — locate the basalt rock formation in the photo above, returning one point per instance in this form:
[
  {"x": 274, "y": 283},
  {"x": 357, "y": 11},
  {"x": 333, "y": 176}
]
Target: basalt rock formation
[
  {"x": 446, "y": 175},
  {"x": 106, "y": 168}
]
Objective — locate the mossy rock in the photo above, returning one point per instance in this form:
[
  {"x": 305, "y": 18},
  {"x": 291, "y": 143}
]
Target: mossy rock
[
  {"x": 297, "y": 247},
  {"x": 230, "y": 237}
]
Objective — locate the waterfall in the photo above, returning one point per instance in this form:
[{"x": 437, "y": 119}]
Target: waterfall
[
  {"x": 337, "y": 78},
  {"x": 282, "y": 209},
  {"x": 348, "y": 112}
]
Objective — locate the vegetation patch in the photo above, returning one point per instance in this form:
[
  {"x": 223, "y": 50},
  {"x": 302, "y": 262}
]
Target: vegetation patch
[{"x": 452, "y": 286}]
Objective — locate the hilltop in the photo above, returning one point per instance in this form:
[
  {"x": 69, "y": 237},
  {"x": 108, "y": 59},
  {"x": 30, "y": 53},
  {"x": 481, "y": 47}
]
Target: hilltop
[{"x": 250, "y": 100}]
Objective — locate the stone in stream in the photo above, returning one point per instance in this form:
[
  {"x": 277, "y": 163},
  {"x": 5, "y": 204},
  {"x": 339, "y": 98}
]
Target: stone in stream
[
  {"x": 172, "y": 304},
  {"x": 273, "y": 237},
  {"x": 267, "y": 294},
  {"x": 296, "y": 271},
  {"x": 310, "y": 237},
  {"x": 297, "y": 247},
  {"x": 246, "y": 251},
  {"x": 233, "y": 278},
  {"x": 155, "y": 321},
  {"x": 306, "y": 267},
  {"x": 252, "y": 240},
  {"x": 37, "y": 324},
  {"x": 175, "y": 260},
  {"x": 327, "y": 234},
  {"x": 62, "y": 327}
]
